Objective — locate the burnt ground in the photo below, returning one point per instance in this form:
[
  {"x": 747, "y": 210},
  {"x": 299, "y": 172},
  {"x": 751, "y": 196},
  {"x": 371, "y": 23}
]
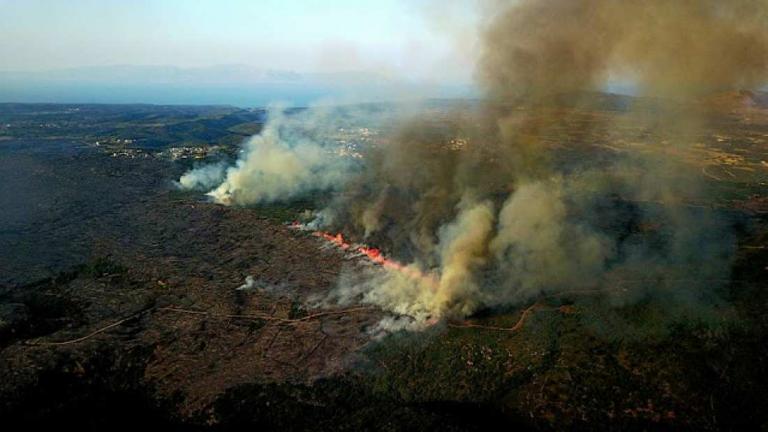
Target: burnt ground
[{"x": 119, "y": 309}]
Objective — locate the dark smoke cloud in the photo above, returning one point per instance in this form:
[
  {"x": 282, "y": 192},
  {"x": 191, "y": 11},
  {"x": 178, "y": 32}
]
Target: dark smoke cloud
[
  {"x": 539, "y": 48},
  {"x": 489, "y": 207},
  {"x": 548, "y": 224}
]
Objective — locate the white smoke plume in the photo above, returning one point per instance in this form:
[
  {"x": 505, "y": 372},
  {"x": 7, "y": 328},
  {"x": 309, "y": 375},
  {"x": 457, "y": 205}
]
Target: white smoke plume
[
  {"x": 203, "y": 178},
  {"x": 280, "y": 163},
  {"x": 293, "y": 155}
]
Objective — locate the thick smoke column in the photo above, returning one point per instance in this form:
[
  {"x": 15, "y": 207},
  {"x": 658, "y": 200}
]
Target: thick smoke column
[
  {"x": 542, "y": 48},
  {"x": 548, "y": 234},
  {"x": 455, "y": 290},
  {"x": 481, "y": 204}
]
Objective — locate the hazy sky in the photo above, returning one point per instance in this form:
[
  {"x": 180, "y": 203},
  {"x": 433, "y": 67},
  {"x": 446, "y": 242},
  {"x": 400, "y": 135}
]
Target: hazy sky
[{"x": 416, "y": 39}]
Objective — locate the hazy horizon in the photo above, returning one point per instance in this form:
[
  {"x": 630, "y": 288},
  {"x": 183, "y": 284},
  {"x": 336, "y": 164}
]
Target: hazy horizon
[
  {"x": 238, "y": 85},
  {"x": 59, "y": 51}
]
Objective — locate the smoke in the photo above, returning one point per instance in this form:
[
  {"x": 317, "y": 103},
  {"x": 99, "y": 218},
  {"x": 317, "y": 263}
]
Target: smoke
[
  {"x": 454, "y": 290},
  {"x": 502, "y": 202},
  {"x": 203, "y": 178},
  {"x": 250, "y": 284},
  {"x": 563, "y": 225},
  {"x": 542, "y": 48},
  {"x": 541, "y": 248},
  {"x": 291, "y": 157}
]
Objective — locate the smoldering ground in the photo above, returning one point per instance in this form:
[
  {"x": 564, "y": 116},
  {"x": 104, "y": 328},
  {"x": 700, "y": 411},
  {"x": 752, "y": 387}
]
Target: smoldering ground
[{"x": 481, "y": 205}]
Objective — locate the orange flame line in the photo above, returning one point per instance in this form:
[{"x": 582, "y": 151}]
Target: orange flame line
[{"x": 372, "y": 254}]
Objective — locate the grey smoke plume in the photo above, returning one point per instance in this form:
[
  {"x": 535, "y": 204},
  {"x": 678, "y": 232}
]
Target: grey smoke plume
[
  {"x": 488, "y": 204},
  {"x": 543, "y": 249}
]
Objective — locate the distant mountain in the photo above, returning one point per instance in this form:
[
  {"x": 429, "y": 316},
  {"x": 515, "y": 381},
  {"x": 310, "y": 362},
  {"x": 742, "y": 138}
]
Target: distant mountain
[
  {"x": 221, "y": 74},
  {"x": 240, "y": 85}
]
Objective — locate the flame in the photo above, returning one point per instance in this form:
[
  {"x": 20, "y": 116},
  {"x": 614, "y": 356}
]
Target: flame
[
  {"x": 377, "y": 257},
  {"x": 423, "y": 279},
  {"x": 337, "y": 239},
  {"x": 372, "y": 254}
]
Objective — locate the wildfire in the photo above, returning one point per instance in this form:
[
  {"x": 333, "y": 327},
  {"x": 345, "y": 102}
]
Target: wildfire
[
  {"x": 337, "y": 239},
  {"x": 373, "y": 254}
]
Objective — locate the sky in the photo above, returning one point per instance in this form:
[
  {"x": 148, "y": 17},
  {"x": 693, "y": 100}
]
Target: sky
[{"x": 418, "y": 40}]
